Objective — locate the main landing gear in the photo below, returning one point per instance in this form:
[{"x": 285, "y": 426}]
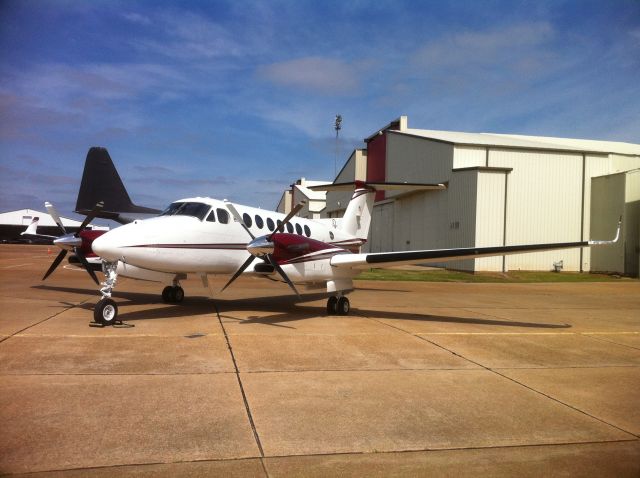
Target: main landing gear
[
  {"x": 173, "y": 294},
  {"x": 338, "y": 305}
]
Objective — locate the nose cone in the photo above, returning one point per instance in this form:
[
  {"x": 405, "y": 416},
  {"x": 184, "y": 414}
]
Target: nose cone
[
  {"x": 260, "y": 246},
  {"x": 106, "y": 247},
  {"x": 68, "y": 242}
]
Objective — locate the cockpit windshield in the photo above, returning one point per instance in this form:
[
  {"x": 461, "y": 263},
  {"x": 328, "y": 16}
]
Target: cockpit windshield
[{"x": 195, "y": 209}]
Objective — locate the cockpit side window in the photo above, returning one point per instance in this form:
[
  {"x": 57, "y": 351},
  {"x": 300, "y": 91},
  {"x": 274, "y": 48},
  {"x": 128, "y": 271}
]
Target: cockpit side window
[
  {"x": 194, "y": 209},
  {"x": 223, "y": 216},
  {"x": 171, "y": 209}
]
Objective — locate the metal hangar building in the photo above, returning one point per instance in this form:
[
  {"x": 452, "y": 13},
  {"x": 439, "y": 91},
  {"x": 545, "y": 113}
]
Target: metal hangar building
[{"x": 501, "y": 190}]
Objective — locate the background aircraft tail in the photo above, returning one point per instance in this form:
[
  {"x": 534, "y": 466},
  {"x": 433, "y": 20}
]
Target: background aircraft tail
[{"x": 101, "y": 182}]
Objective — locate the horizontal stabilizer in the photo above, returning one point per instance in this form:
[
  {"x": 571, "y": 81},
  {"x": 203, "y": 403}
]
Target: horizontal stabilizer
[{"x": 379, "y": 186}]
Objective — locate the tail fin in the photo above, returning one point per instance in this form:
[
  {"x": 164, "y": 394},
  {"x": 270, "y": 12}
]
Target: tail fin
[
  {"x": 357, "y": 217},
  {"x": 32, "y": 229},
  {"x": 101, "y": 182}
]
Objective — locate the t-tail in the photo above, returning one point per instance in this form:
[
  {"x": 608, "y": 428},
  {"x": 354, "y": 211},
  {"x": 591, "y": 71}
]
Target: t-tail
[
  {"x": 357, "y": 217},
  {"x": 101, "y": 183}
]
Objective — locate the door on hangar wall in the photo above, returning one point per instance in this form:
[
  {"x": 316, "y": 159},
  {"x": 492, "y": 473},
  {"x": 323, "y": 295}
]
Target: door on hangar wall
[{"x": 382, "y": 225}]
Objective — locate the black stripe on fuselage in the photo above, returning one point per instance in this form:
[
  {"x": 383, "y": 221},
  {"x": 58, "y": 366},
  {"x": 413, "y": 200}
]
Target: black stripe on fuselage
[
  {"x": 195, "y": 246},
  {"x": 468, "y": 251}
]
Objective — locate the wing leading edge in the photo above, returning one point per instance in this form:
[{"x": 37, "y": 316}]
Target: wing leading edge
[{"x": 364, "y": 261}]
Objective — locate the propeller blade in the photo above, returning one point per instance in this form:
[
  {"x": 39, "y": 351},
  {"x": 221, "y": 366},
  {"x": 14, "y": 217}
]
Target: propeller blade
[
  {"x": 87, "y": 266},
  {"x": 92, "y": 215},
  {"x": 238, "y": 272},
  {"x": 54, "y": 215},
  {"x": 236, "y": 215},
  {"x": 277, "y": 267},
  {"x": 293, "y": 212},
  {"x": 55, "y": 263}
]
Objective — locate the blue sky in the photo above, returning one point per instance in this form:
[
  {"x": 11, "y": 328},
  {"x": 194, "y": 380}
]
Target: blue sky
[{"x": 237, "y": 99}]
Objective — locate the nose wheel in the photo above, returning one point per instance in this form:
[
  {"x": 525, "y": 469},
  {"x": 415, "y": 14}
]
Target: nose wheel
[
  {"x": 338, "y": 305},
  {"x": 106, "y": 311}
]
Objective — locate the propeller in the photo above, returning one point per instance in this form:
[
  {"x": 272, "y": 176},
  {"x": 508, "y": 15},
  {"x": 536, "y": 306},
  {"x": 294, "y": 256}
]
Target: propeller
[
  {"x": 71, "y": 241},
  {"x": 263, "y": 246}
]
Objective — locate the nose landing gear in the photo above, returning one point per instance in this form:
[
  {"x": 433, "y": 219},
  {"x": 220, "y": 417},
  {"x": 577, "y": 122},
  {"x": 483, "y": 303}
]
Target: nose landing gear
[{"x": 106, "y": 310}]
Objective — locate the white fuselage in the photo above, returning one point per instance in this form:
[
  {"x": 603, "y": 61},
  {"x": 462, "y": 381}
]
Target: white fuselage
[{"x": 212, "y": 242}]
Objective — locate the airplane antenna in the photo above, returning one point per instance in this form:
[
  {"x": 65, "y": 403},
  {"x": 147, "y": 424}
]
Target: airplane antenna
[{"x": 337, "y": 126}]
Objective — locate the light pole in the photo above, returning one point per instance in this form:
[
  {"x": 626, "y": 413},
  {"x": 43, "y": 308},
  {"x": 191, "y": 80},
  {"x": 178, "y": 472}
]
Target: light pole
[{"x": 337, "y": 126}]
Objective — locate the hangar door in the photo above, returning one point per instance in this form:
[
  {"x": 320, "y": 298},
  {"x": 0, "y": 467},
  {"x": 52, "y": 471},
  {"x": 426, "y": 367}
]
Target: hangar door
[{"x": 382, "y": 226}]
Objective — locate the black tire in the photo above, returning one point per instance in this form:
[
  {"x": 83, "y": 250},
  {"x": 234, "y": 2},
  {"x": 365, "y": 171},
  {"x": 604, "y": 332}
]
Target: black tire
[
  {"x": 166, "y": 293},
  {"x": 177, "y": 294},
  {"x": 105, "y": 312},
  {"x": 332, "y": 305},
  {"x": 343, "y": 306}
]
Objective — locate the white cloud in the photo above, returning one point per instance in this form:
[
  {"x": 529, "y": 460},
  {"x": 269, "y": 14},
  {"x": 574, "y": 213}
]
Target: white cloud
[
  {"x": 322, "y": 75},
  {"x": 500, "y": 58}
]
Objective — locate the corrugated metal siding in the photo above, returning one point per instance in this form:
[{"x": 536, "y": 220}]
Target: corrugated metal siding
[
  {"x": 469, "y": 156},
  {"x": 623, "y": 163},
  {"x": 595, "y": 165},
  {"x": 632, "y": 223},
  {"x": 544, "y": 197},
  {"x": 347, "y": 174},
  {"x": 490, "y": 216},
  {"x": 608, "y": 193},
  {"x": 417, "y": 160}
]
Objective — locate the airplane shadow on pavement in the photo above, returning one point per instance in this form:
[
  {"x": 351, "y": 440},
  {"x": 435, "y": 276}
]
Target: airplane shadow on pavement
[{"x": 287, "y": 309}]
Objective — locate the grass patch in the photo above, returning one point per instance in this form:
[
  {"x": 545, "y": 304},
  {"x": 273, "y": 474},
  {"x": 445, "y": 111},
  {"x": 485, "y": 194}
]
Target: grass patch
[{"x": 443, "y": 275}]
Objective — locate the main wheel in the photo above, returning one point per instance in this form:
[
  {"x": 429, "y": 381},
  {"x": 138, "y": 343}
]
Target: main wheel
[
  {"x": 105, "y": 312},
  {"x": 177, "y": 294},
  {"x": 332, "y": 305},
  {"x": 166, "y": 293},
  {"x": 343, "y": 306}
]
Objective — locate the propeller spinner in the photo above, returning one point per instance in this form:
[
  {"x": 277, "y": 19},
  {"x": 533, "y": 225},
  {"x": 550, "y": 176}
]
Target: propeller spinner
[
  {"x": 71, "y": 241},
  {"x": 263, "y": 247}
]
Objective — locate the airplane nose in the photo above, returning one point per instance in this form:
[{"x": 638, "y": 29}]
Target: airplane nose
[{"x": 104, "y": 247}]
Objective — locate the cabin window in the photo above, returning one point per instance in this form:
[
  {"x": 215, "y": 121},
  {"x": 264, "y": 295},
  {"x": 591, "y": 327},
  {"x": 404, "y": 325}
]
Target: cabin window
[
  {"x": 290, "y": 228},
  {"x": 270, "y": 224},
  {"x": 246, "y": 219},
  {"x": 223, "y": 216},
  {"x": 307, "y": 231},
  {"x": 212, "y": 216},
  {"x": 298, "y": 230},
  {"x": 259, "y": 222},
  {"x": 279, "y": 223},
  {"x": 194, "y": 209}
]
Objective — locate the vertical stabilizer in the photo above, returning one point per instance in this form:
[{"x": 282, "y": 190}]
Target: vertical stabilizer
[
  {"x": 101, "y": 182},
  {"x": 357, "y": 217}
]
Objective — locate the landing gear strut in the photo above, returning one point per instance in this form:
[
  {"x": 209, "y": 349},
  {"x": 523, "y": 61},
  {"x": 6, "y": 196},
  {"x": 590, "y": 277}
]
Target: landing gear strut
[
  {"x": 338, "y": 305},
  {"x": 106, "y": 311}
]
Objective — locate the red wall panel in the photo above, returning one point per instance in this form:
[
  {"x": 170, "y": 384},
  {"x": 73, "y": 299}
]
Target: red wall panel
[{"x": 377, "y": 161}]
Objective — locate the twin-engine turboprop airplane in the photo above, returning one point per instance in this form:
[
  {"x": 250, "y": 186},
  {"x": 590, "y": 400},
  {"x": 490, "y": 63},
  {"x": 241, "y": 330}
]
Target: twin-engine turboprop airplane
[{"x": 206, "y": 236}]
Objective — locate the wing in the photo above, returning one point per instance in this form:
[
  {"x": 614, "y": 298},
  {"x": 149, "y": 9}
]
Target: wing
[{"x": 385, "y": 259}]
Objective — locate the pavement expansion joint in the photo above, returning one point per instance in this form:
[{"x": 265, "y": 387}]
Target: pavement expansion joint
[
  {"x": 72, "y": 306},
  {"x": 244, "y": 395},
  {"x": 495, "y": 371},
  {"x": 600, "y": 339}
]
